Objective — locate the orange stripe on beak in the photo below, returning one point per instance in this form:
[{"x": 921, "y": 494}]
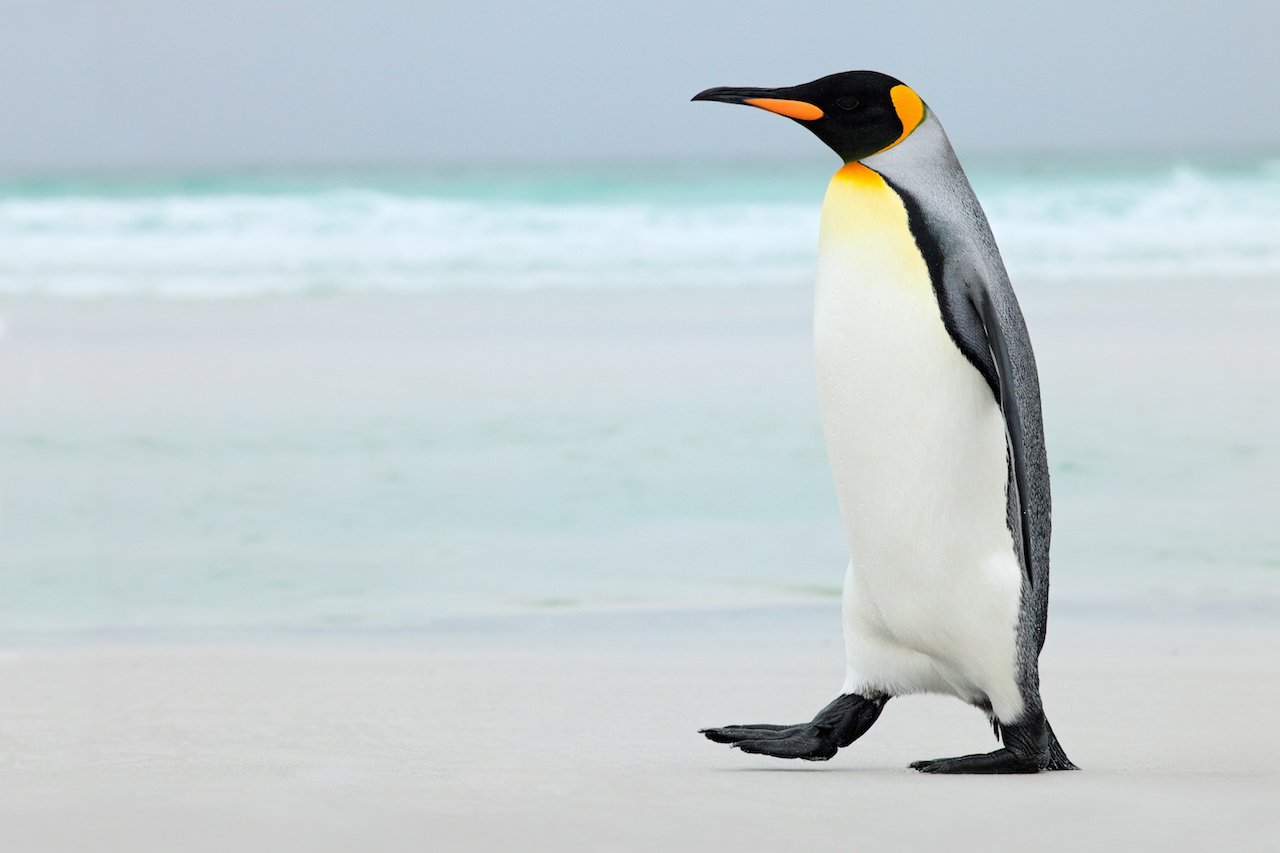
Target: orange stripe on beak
[{"x": 790, "y": 109}]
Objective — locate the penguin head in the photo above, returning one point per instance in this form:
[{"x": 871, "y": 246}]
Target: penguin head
[{"x": 857, "y": 113}]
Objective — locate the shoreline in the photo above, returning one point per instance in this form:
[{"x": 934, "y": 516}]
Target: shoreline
[
  {"x": 388, "y": 460},
  {"x": 556, "y": 623},
  {"x": 584, "y": 737}
]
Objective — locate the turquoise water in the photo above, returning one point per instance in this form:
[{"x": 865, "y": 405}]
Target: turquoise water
[
  {"x": 628, "y": 227},
  {"x": 374, "y": 400}
]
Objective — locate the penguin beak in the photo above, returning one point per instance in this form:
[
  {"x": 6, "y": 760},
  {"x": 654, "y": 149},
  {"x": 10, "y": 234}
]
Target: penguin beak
[{"x": 765, "y": 99}]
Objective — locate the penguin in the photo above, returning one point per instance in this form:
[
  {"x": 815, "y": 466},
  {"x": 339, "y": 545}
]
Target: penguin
[{"x": 930, "y": 405}]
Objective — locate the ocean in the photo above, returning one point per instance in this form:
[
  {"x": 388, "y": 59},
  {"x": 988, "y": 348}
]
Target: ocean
[
  {"x": 683, "y": 226},
  {"x": 373, "y": 400}
]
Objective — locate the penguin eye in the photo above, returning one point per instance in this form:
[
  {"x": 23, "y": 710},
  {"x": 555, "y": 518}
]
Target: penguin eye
[{"x": 848, "y": 102}]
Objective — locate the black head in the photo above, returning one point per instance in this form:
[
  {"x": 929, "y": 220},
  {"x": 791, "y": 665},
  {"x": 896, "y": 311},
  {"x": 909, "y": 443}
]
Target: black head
[{"x": 857, "y": 113}]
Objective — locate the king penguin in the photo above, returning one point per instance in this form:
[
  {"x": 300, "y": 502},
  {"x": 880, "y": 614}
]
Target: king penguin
[{"x": 930, "y": 407}]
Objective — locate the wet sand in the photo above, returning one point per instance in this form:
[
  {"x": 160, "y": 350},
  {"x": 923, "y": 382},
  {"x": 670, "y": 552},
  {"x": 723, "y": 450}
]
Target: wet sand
[
  {"x": 378, "y": 460},
  {"x": 578, "y": 732}
]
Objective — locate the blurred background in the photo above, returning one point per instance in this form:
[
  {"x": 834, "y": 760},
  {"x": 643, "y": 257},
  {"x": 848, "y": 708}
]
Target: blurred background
[{"x": 330, "y": 314}]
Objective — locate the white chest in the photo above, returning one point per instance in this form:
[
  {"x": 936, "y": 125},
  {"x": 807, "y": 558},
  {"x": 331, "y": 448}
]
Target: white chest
[{"x": 917, "y": 447}]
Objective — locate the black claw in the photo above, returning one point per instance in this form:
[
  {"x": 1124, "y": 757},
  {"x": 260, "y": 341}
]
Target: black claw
[
  {"x": 764, "y": 727},
  {"x": 735, "y": 734},
  {"x": 732, "y": 734}
]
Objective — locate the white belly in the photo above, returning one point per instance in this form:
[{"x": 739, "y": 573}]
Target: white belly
[{"x": 918, "y": 450}]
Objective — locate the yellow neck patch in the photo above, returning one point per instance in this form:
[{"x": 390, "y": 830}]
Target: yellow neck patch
[
  {"x": 856, "y": 173},
  {"x": 866, "y": 235},
  {"x": 910, "y": 111}
]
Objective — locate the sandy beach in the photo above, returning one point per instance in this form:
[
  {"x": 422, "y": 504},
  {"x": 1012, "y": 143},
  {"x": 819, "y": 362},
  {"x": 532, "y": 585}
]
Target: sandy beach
[
  {"x": 250, "y": 546},
  {"x": 410, "y": 437},
  {"x": 579, "y": 733}
]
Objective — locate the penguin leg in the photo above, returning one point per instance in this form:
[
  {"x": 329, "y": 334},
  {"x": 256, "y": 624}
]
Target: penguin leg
[
  {"x": 836, "y": 726},
  {"x": 1029, "y": 747}
]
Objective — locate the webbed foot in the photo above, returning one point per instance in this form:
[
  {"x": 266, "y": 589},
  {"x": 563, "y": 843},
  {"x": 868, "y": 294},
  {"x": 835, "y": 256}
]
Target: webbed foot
[
  {"x": 836, "y": 726},
  {"x": 1030, "y": 746},
  {"x": 1000, "y": 761}
]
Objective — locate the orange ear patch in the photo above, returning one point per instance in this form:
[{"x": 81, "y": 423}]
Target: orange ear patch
[
  {"x": 910, "y": 111},
  {"x": 790, "y": 109}
]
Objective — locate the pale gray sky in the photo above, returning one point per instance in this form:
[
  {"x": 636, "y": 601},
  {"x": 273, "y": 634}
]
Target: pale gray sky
[{"x": 177, "y": 84}]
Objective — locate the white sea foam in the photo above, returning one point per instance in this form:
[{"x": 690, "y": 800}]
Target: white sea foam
[
  {"x": 239, "y": 245},
  {"x": 1179, "y": 222},
  {"x": 1182, "y": 223}
]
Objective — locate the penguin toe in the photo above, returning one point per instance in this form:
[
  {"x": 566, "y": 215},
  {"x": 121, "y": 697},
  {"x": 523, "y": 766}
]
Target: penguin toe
[
  {"x": 1000, "y": 761},
  {"x": 733, "y": 734},
  {"x": 807, "y": 742},
  {"x": 804, "y": 743}
]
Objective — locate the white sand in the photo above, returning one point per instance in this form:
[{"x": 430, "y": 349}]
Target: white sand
[{"x": 578, "y": 733}]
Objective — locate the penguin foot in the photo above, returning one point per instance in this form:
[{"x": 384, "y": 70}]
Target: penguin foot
[
  {"x": 1000, "y": 761},
  {"x": 835, "y": 726},
  {"x": 1029, "y": 747}
]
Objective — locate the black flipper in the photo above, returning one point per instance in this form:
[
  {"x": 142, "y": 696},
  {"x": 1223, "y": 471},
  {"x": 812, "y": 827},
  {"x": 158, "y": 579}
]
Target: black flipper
[
  {"x": 835, "y": 726},
  {"x": 1029, "y": 747},
  {"x": 1012, "y": 418},
  {"x": 982, "y": 316}
]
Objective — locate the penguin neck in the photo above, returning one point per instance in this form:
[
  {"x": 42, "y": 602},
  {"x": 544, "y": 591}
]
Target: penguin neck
[
  {"x": 856, "y": 173},
  {"x": 858, "y": 203}
]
